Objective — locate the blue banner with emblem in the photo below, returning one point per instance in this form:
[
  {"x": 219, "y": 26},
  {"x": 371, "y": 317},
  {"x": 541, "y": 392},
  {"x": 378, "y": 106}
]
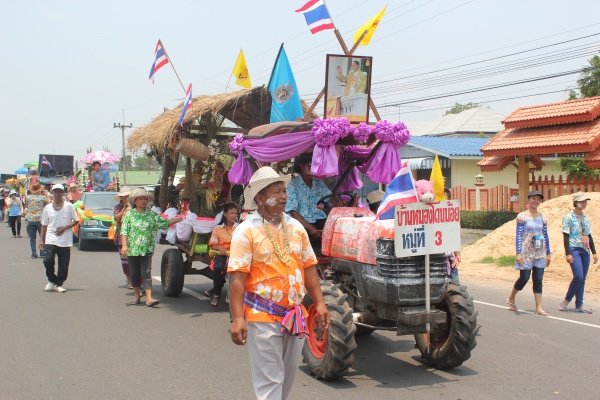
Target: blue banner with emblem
[{"x": 285, "y": 99}]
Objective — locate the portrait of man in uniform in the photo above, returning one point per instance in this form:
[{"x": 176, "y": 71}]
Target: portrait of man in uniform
[{"x": 347, "y": 88}]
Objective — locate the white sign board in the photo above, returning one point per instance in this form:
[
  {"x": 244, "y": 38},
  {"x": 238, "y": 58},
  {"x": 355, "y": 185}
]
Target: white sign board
[{"x": 427, "y": 228}]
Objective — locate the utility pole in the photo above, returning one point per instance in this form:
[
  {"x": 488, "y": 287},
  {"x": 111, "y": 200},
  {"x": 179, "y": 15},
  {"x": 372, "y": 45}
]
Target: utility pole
[{"x": 123, "y": 126}]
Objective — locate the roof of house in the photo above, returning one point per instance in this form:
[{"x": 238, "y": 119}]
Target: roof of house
[
  {"x": 564, "y": 112},
  {"x": 568, "y": 127},
  {"x": 474, "y": 120},
  {"x": 450, "y": 147}
]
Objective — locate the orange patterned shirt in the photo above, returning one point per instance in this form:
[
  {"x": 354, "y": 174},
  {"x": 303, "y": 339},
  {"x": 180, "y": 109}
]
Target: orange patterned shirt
[
  {"x": 252, "y": 252},
  {"x": 221, "y": 236}
]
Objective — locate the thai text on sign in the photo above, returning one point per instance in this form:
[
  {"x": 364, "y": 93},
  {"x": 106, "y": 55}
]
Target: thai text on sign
[{"x": 427, "y": 228}]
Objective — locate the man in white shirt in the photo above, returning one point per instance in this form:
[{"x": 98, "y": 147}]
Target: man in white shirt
[{"x": 58, "y": 220}]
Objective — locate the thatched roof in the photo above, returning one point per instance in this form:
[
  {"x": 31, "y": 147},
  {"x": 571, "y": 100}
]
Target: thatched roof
[{"x": 246, "y": 108}]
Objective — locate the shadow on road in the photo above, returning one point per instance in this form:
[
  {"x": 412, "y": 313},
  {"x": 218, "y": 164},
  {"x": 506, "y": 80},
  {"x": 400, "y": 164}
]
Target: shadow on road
[{"x": 376, "y": 358}]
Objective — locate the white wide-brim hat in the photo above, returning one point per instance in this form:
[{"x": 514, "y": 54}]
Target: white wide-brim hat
[
  {"x": 139, "y": 192},
  {"x": 262, "y": 178},
  {"x": 124, "y": 192}
]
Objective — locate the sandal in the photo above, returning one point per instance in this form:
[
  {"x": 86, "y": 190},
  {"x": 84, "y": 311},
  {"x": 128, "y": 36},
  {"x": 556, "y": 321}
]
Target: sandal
[
  {"x": 562, "y": 306},
  {"x": 542, "y": 313},
  {"x": 511, "y": 306},
  {"x": 584, "y": 310},
  {"x": 208, "y": 293},
  {"x": 153, "y": 303},
  {"x": 215, "y": 300},
  {"x": 133, "y": 302}
]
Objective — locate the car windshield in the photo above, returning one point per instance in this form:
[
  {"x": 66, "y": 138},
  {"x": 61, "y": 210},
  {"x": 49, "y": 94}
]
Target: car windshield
[{"x": 100, "y": 203}]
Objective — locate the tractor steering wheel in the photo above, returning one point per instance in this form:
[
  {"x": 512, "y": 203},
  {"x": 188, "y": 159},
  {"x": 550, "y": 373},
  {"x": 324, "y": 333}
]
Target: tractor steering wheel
[{"x": 346, "y": 203}]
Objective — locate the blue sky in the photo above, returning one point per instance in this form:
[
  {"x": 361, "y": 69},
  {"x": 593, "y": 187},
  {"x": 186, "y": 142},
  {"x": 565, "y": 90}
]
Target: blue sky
[{"x": 69, "y": 68}]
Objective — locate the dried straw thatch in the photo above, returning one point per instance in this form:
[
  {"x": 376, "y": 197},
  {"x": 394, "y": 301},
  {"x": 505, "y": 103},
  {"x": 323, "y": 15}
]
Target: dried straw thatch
[{"x": 246, "y": 108}]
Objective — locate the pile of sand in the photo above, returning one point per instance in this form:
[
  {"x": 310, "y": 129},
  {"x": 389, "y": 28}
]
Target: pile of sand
[{"x": 501, "y": 242}]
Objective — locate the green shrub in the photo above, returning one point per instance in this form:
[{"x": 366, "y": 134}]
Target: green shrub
[
  {"x": 485, "y": 219},
  {"x": 487, "y": 260}
]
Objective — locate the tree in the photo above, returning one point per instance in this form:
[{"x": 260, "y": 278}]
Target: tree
[
  {"x": 589, "y": 82},
  {"x": 575, "y": 168},
  {"x": 458, "y": 108}
]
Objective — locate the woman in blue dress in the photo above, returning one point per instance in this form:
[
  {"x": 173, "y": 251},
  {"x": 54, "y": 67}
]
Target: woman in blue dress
[{"x": 533, "y": 251}]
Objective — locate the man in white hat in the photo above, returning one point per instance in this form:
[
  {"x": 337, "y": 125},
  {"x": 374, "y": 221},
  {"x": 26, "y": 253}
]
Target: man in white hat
[
  {"x": 272, "y": 266},
  {"x": 58, "y": 220}
]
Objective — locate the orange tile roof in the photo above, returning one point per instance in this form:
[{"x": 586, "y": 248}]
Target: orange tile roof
[
  {"x": 498, "y": 163},
  {"x": 564, "y": 112},
  {"x": 592, "y": 160},
  {"x": 570, "y": 138},
  {"x": 495, "y": 163}
]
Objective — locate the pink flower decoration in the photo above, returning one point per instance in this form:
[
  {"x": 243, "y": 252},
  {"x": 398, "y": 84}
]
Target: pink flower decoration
[
  {"x": 397, "y": 134},
  {"x": 362, "y": 132},
  {"x": 327, "y": 132},
  {"x": 237, "y": 144}
]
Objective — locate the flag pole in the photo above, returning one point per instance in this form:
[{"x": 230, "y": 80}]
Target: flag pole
[{"x": 173, "y": 66}]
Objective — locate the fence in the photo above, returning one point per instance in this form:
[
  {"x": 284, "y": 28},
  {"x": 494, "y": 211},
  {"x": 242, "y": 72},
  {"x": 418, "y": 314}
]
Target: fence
[{"x": 504, "y": 198}]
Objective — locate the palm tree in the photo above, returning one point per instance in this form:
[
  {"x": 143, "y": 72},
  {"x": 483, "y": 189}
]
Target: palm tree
[{"x": 589, "y": 83}]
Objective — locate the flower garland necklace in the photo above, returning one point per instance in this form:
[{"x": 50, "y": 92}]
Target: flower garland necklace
[{"x": 283, "y": 255}]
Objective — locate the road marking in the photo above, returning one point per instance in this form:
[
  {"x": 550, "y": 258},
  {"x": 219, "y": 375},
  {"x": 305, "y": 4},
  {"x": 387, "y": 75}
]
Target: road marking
[
  {"x": 200, "y": 297},
  {"x": 185, "y": 290},
  {"x": 532, "y": 313}
]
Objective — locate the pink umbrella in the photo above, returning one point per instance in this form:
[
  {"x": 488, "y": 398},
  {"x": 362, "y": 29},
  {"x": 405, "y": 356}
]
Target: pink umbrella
[{"x": 100, "y": 155}]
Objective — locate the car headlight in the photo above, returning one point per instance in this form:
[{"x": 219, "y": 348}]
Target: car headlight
[{"x": 90, "y": 222}]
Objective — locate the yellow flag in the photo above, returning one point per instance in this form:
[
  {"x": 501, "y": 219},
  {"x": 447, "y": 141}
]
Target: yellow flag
[
  {"x": 437, "y": 180},
  {"x": 370, "y": 27},
  {"x": 240, "y": 71}
]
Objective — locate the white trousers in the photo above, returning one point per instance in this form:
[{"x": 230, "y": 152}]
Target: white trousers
[{"x": 274, "y": 358}]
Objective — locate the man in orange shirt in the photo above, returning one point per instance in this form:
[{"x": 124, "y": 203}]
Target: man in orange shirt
[{"x": 272, "y": 266}]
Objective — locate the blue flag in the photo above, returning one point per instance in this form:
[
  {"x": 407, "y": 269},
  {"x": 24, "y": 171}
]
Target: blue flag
[{"x": 285, "y": 103}]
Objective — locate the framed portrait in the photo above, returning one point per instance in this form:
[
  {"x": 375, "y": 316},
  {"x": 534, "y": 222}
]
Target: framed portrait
[{"x": 348, "y": 87}]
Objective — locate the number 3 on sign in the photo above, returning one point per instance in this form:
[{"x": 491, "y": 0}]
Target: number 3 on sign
[{"x": 438, "y": 238}]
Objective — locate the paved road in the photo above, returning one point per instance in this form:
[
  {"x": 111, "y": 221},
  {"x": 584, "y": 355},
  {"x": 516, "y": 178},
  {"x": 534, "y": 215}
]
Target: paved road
[{"x": 86, "y": 344}]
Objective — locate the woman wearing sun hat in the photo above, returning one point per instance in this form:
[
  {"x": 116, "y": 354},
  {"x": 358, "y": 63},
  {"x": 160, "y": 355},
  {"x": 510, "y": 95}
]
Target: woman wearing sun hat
[
  {"x": 73, "y": 195},
  {"x": 533, "y": 251},
  {"x": 578, "y": 243},
  {"x": 119, "y": 211},
  {"x": 138, "y": 235},
  {"x": 271, "y": 266},
  {"x": 35, "y": 204}
]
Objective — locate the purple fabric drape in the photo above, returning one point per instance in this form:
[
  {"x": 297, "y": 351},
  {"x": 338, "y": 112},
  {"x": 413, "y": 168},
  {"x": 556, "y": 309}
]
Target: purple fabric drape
[
  {"x": 353, "y": 180},
  {"x": 324, "y": 162},
  {"x": 385, "y": 164},
  {"x": 270, "y": 149}
]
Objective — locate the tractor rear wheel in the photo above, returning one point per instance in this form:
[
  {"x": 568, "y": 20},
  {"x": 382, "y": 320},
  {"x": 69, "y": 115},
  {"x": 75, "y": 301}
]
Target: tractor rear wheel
[
  {"x": 449, "y": 345},
  {"x": 172, "y": 272},
  {"x": 329, "y": 353}
]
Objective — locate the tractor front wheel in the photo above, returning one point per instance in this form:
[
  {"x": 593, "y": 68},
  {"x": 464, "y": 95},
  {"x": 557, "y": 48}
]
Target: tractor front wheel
[
  {"x": 329, "y": 353},
  {"x": 449, "y": 345}
]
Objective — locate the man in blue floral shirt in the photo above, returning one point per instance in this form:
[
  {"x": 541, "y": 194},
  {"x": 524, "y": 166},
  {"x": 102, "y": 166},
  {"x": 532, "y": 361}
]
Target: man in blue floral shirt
[{"x": 303, "y": 193}]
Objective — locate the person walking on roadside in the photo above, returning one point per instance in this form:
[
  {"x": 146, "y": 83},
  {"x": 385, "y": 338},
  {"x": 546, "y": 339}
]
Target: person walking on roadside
[
  {"x": 138, "y": 235},
  {"x": 2, "y": 204},
  {"x": 35, "y": 204},
  {"x": 271, "y": 266},
  {"x": 15, "y": 210},
  {"x": 58, "y": 220},
  {"x": 578, "y": 242},
  {"x": 119, "y": 211},
  {"x": 533, "y": 251},
  {"x": 220, "y": 241}
]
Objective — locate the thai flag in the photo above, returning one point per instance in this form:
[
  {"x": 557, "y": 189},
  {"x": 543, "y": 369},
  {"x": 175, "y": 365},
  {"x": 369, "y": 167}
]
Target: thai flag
[
  {"x": 186, "y": 104},
  {"x": 401, "y": 190},
  {"x": 316, "y": 15},
  {"x": 46, "y": 162},
  {"x": 160, "y": 59}
]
